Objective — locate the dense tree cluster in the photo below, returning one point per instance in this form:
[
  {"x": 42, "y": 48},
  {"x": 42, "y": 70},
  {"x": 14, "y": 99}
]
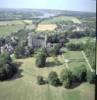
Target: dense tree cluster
[
  {"x": 22, "y": 51},
  {"x": 58, "y": 38},
  {"x": 76, "y": 34},
  {"x": 7, "y": 68},
  {"x": 75, "y": 46}
]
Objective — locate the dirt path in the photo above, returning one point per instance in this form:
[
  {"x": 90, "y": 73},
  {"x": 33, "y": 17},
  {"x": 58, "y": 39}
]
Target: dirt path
[{"x": 87, "y": 61}]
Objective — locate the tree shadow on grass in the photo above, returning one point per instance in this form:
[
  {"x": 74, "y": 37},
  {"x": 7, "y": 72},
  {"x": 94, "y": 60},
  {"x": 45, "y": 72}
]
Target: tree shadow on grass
[
  {"x": 53, "y": 64},
  {"x": 75, "y": 85}
]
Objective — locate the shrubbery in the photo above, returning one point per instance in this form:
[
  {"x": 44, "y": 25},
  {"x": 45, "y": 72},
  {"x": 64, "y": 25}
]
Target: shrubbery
[
  {"x": 53, "y": 79},
  {"x": 40, "y": 80}
]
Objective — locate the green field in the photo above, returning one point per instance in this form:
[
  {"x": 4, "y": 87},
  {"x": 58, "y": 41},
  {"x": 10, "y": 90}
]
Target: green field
[
  {"x": 7, "y": 27},
  {"x": 61, "y": 19},
  {"x": 81, "y": 40},
  {"x": 24, "y": 87},
  {"x": 15, "y": 22}
]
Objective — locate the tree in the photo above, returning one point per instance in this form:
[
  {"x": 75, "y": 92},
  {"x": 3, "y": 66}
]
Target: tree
[
  {"x": 56, "y": 50},
  {"x": 66, "y": 78},
  {"x": 40, "y": 80},
  {"x": 41, "y": 59},
  {"x": 53, "y": 79}
]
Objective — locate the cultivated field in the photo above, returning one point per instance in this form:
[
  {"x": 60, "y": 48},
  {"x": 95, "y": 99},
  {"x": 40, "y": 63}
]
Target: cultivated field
[
  {"x": 45, "y": 27},
  {"x": 24, "y": 86},
  {"x": 61, "y": 19}
]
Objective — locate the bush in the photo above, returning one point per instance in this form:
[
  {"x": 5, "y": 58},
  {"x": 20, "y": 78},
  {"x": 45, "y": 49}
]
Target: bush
[
  {"x": 91, "y": 77},
  {"x": 40, "y": 80},
  {"x": 53, "y": 79},
  {"x": 41, "y": 59}
]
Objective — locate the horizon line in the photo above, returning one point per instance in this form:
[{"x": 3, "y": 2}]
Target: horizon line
[{"x": 50, "y": 9}]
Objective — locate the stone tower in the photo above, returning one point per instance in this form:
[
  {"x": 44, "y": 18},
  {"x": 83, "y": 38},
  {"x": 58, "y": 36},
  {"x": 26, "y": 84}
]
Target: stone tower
[
  {"x": 45, "y": 41},
  {"x": 29, "y": 38}
]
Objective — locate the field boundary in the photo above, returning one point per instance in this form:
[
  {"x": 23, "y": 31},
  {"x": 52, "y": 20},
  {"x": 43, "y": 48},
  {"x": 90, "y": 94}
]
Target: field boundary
[{"x": 87, "y": 61}]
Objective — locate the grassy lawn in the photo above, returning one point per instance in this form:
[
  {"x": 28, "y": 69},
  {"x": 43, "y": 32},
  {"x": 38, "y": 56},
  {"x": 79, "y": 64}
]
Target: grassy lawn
[{"x": 24, "y": 87}]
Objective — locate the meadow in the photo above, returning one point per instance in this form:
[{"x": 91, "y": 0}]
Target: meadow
[
  {"x": 59, "y": 19},
  {"x": 24, "y": 87},
  {"x": 7, "y": 27}
]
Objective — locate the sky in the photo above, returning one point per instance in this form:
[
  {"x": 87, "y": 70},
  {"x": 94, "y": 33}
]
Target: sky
[{"x": 74, "y": 5}]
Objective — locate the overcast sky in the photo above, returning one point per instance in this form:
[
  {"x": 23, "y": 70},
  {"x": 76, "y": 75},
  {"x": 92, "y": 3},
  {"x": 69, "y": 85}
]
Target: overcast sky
[{"x": 75, "y": 5}]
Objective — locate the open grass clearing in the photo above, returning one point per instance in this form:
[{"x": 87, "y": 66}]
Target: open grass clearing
[{"x": 24, "y": 87}]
